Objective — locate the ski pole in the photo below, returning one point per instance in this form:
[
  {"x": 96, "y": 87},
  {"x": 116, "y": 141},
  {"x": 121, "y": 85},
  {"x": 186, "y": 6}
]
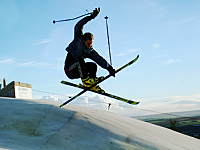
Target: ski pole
[
  {"x": 108, "y": 39},
  {"x": 54, "y": 21}
]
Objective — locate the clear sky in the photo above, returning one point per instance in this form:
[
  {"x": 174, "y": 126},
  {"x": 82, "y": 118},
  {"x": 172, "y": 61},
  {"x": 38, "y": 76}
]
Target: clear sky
[{"x": 164, "y": 33}]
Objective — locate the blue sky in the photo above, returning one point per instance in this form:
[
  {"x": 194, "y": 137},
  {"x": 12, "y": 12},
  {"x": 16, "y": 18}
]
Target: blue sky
[{"x": 164, "y": 33}]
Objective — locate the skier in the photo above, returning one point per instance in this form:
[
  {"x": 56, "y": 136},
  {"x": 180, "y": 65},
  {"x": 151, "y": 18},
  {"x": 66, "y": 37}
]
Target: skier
[{"x": 81, "y": 48}]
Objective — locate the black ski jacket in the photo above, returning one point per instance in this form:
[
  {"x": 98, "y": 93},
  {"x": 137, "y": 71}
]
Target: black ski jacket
[{"x": 77, "y": 48}]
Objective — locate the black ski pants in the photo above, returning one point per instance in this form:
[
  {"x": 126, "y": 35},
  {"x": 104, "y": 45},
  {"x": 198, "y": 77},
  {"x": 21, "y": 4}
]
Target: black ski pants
[{"x": 78, "y": 68}]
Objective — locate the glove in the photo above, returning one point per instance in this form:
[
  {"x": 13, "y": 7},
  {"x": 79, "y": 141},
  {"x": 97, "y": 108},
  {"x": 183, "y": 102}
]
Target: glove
[
  {"x": 111, "y": 71},
  {"x": 95, "y": 12}
]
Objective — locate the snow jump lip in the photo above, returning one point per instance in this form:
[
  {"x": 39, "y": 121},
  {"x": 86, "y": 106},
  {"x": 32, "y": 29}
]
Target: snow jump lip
[{"x": 36, "y": 124}]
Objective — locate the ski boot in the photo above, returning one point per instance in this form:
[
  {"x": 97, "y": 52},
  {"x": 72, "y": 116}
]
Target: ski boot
[{"x": 88, "y": 82}]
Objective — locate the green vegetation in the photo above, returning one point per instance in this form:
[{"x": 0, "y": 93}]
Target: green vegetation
[{"x": 186, "y": 125}]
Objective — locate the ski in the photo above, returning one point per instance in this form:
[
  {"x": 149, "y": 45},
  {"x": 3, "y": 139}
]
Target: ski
[
  {"x": 105, "y": 94},
  {"x": 126, "y": 65}
]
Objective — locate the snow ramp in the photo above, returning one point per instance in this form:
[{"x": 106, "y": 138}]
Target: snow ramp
[{"x": 37, "y": 124}]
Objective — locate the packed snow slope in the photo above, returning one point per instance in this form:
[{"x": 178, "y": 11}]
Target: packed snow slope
[{"x": 37, "y": 124}]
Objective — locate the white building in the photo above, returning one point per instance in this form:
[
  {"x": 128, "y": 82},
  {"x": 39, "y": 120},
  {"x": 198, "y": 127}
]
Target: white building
[{"x": 17, "y": 90}]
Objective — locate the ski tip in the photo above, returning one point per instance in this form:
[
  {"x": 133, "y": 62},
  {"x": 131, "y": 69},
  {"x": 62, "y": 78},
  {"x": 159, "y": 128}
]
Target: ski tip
[
  {"x": 63, "y": 82},
  {"x": 133, "y": 102},
  {"x": 61, "y": 106},
  {"x": 136, "y": 103}
]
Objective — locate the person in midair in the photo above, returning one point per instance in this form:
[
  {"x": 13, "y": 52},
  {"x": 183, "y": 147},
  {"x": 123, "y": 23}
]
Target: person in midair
[{"x": 81, "y": 48}]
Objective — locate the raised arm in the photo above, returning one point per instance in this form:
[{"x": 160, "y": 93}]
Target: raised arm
[{"x": 78, "y": 30}]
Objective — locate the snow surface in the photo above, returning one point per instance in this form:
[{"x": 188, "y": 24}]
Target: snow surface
[{"x": 38, "y": 124}]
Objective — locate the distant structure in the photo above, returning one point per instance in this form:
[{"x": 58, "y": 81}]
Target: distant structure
[
  {"x": 16, "y": 90},
  {"x": 109, "y": 104}
]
